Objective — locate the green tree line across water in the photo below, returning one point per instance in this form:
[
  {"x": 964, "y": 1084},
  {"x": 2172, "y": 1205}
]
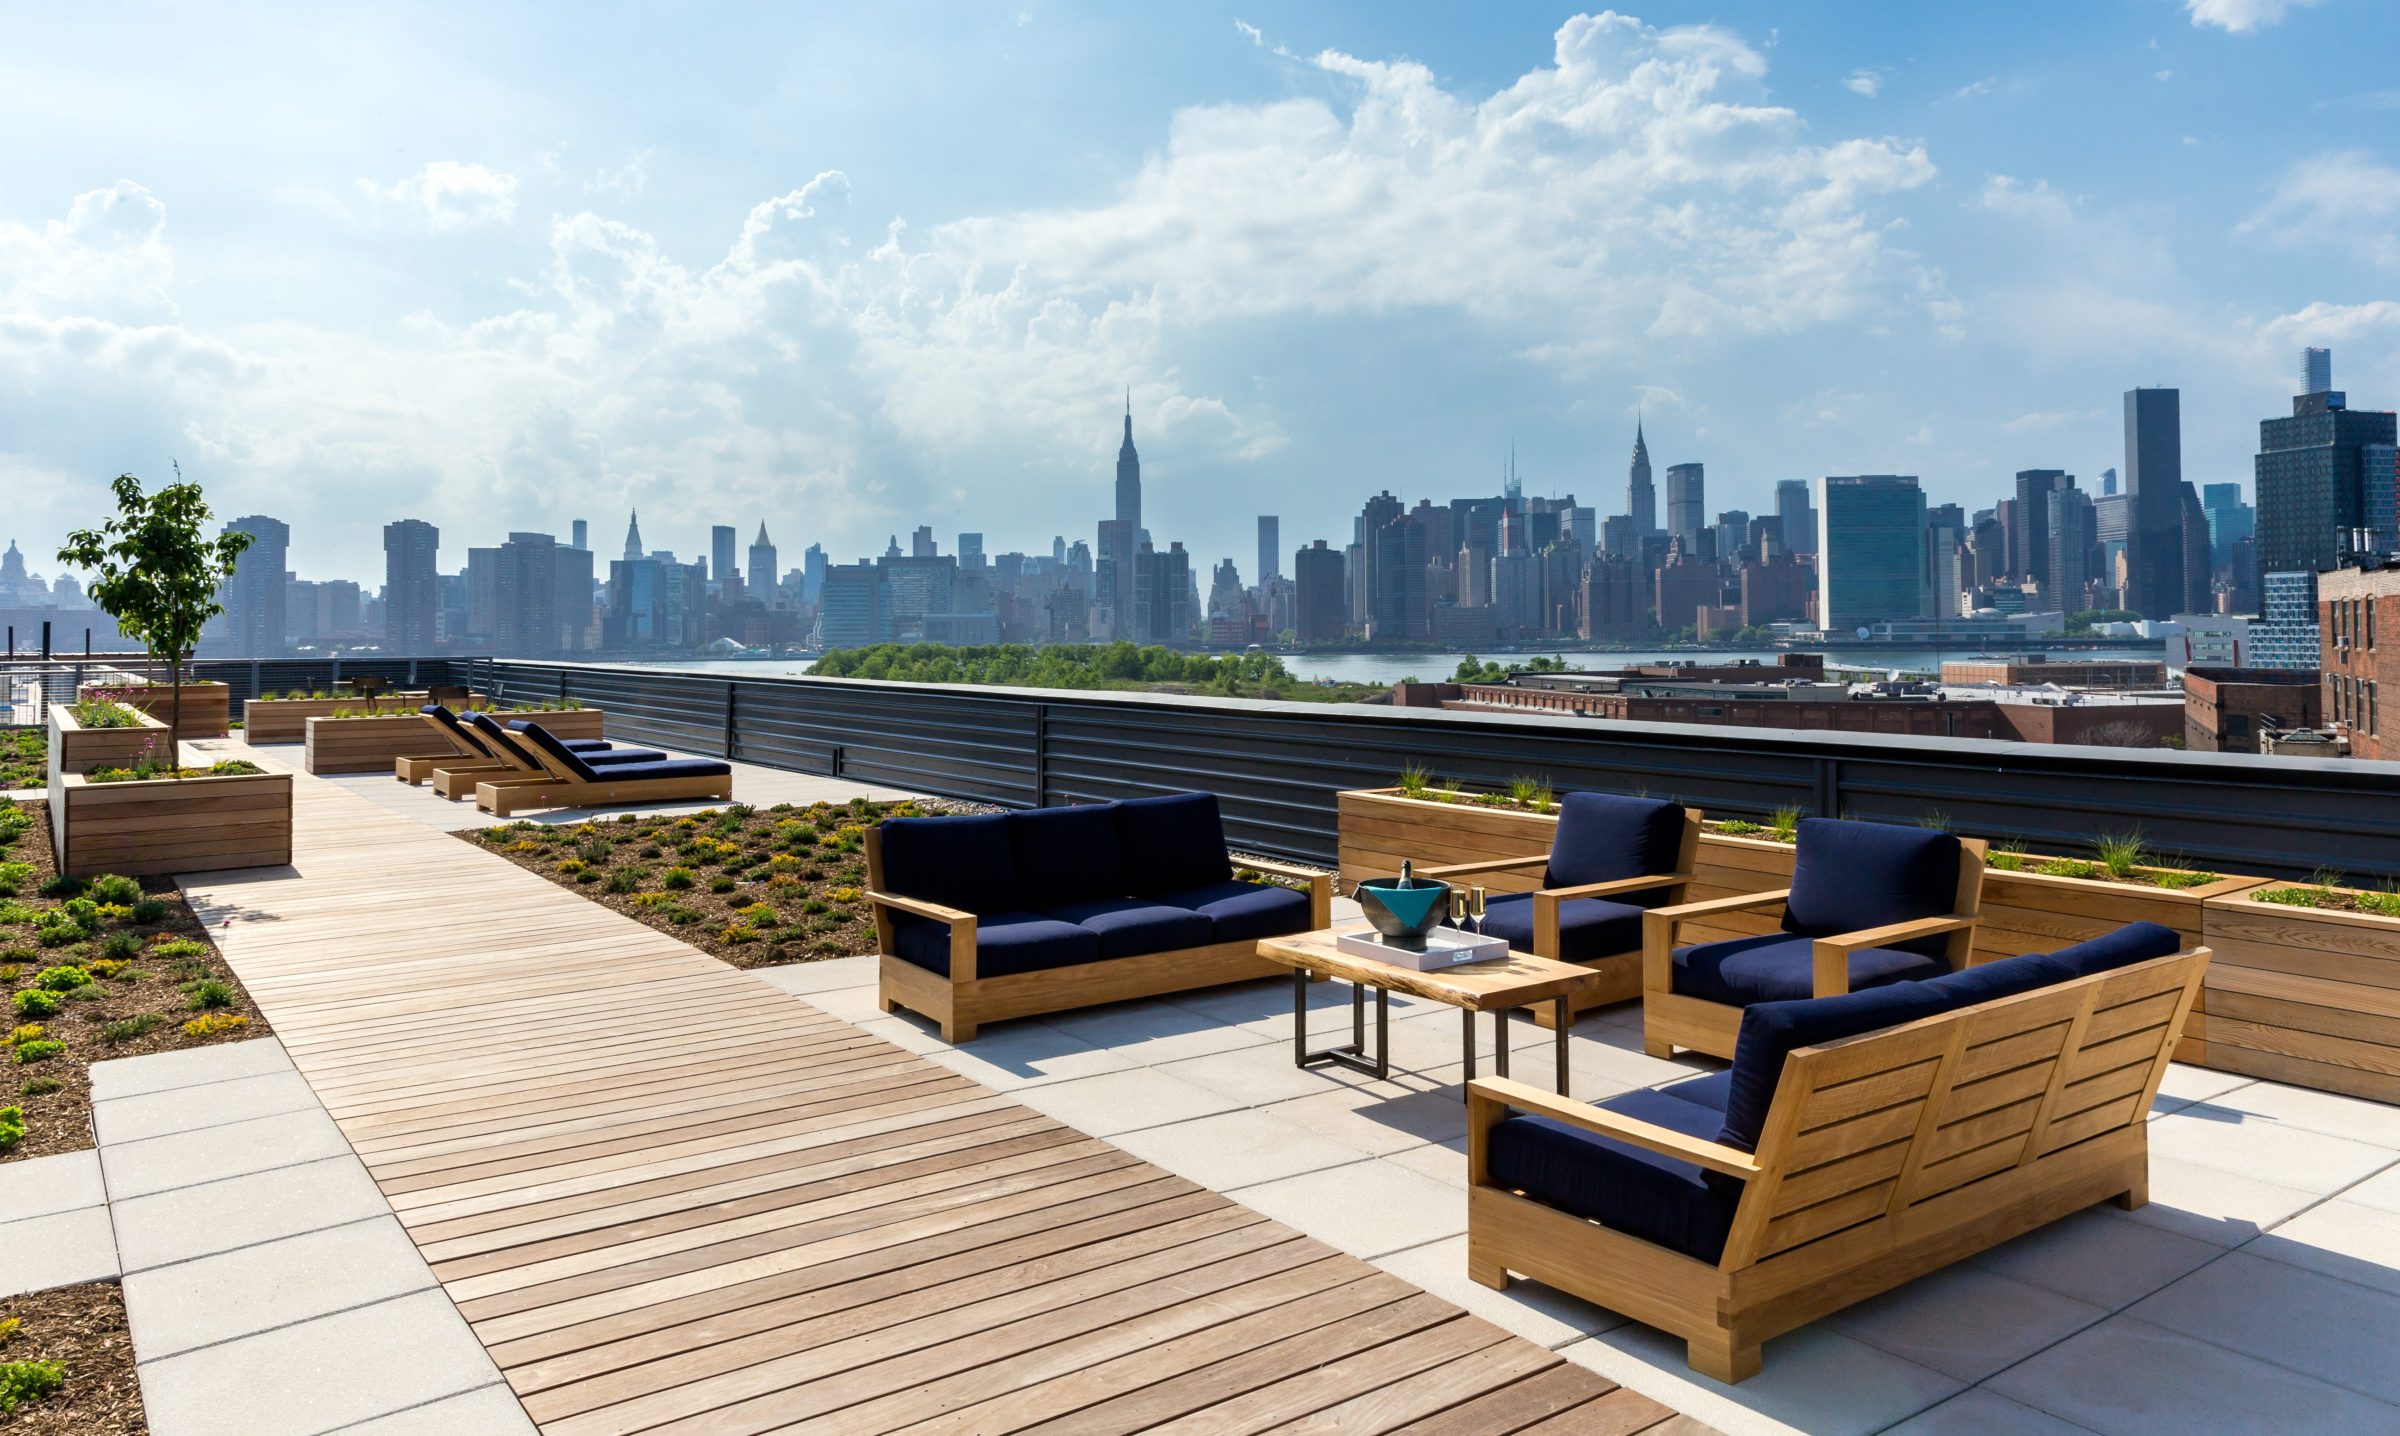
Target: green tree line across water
[{"x": 1084, "y": 665}]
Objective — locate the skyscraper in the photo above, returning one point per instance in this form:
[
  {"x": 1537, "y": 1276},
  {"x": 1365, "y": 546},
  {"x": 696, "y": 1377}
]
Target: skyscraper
[
  {"x": 2316, "y": 371},
  {"x": 1870, "y": 551},
  {"x": 2154, "y": 585},
  {"x": 2029, "y": 536},
  {"x": 410, "y": 587},
  {"x": 633, "y": 536},
  {"x": 1162, "y": 589},
  {"x": 583, "y": 535},
  {"x": 1687, "y": 504},
  {"x": 2311, "y": 478},
  {"x": 1641, "y": 499},
  {"x": 526, "y": 603},
  {"x": 1270, "y": 549},
  {"x": 1321, "y": 609},
  {"x": 253, "y": 596},
  {"x": 1396, "y": 606},
  {"x": 762, "y": 566},
  {"x": 1798, "y": 515},
  {"x": 1129, "y": 475},
  {"x": 722, "y": 565},
  {"x": 2229, "y": 522},
  {"x": 2071, "y": 533}
]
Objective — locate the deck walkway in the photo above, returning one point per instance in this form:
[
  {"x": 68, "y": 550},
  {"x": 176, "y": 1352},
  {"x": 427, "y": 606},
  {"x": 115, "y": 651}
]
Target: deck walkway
[{"x": 666, "y": 1198}]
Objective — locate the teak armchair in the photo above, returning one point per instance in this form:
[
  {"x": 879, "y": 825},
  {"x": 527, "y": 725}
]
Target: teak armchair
[
  {"x": 1612, "y": 859},
  {"x": 1870, "y": 904}
]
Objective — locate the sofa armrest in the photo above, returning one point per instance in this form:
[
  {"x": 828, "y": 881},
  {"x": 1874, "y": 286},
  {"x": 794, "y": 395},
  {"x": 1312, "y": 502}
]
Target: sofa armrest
[
  {"x": 918, "y": 907},
  {"x": 1831, "y": 955},
  {"x": 960, "y": 923},
  {"x": 1320, "y": 885},
  {"x": 1488, "y": 865},
  {"x": 1487, "y": 1097}
]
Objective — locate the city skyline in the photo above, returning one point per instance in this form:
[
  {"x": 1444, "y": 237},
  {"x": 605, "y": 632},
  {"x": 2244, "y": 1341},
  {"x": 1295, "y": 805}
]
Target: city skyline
[{"x": 1907, "y": 258}]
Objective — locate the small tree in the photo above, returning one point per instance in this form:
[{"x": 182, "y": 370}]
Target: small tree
[{"x": 157, "y": 574}]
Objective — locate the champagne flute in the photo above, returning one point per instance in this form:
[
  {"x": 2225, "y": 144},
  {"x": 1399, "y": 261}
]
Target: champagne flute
[{"x": 1475, "y": 908}]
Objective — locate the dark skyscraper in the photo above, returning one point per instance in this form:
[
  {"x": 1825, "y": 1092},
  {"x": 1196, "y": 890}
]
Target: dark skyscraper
[
  {"x": 254, "y": 594},
  {"x": 2310, "y": 477},
  {"x": 525, "y": 607},
  {"x": 583, "y": 535},
  {"x": 762, "y": 566},
  {"x": 722, "y": 565},
  {"x": 633, "y": 536},
  {"x": 1270, "y": 547},
  {"x": 2029, "y": 536},
  {"x": 1641, "y": 498},
  {"x": 410, "y": 588},
  {"x": 2071, "y": 537},
  {"x": 2154, "y": 502},
  {"x": 1798, "y": 516},
  {"x": 1871, "y": 552},
  {"x": 1320, "y": 598},
  {"x": 1129, "y": 476},
  {"x": 1687, "y": 504}
]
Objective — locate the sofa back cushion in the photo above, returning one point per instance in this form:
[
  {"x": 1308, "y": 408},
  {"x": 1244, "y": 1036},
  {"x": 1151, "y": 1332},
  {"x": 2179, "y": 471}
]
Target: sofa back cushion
[
  {"x": 1172, "y": 843},
  {"x": 962, "y": 862},
  {"x": 1066, "y": 855},
  {"x": 1850, "y": 876},
  {"x": 1603, "y": 837},
  {"x": 1772, "y": 1031}
]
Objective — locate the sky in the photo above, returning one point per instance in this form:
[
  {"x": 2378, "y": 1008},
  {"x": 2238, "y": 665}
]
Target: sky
[{"x": 503, "y": 266}]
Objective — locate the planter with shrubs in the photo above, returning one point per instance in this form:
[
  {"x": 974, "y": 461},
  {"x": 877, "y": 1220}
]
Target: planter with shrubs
[
  {"x": 284, "y": 719},
  {"x": 352, "y": 740},
  {"x": 2304, "y": 987},
  {"x": 153, "y": 819}
]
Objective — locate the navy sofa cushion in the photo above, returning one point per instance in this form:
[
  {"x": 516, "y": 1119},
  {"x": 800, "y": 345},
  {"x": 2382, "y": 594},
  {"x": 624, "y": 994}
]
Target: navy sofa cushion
[
  {"x": 1133, "y": 927},
  {"x": 961, "y": 862},
  {"x": 1626, "y": 1188},
  {"x": 2132, "y": 943},
  {"x": 1778, "y": 967},
  {"x": 1244, "y": 912},
  {"x": 1602, "y": 837},
  {"x": 1066, "y": 855},
  {"x": 1172, "y": 843},
  {"x": 1005, "y": 942},
  {"x": 1588, "y": 928},
  {"x": 1850, "y": 876}
]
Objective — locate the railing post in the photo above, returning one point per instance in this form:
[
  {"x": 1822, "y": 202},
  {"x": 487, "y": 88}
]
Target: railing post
[
  {"x": 729, "y": 733},
  {"x": 1041, "y": 755},
  {"x": 1829, "y": 787}
]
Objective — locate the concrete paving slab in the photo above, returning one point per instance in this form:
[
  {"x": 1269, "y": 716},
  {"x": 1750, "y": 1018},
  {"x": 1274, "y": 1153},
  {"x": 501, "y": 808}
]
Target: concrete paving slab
[
  {"x": 252, "y": 1289},
  {"x": 38, "y": 1186},
  {"x": 60, "y": 1249},
  {"x": 190, "y": 1222},
  {"x": 207, "y": 1104},
  {"x": 184, "y": 1159},
  {"x": 190, "y": 1067}
]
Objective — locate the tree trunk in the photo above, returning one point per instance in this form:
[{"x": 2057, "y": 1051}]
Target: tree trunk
[{"x": 175, "y": 707}]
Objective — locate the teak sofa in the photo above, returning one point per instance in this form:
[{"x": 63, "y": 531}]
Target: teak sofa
[
  {"x": 989, "y": 917},
  {"x": 1612, "y": 859},
  {"x": 1869, "y": 904},
  {"x": 1856, "y": 1143}
]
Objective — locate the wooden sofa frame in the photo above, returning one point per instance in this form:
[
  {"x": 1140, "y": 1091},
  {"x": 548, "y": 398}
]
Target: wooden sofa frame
[
  {"x": 1621, "y": 971},
  {"x": 1884, "y": 1156},
  {"x": 961, "y": 1002},
  {"x": 1671, "y": 1020}
]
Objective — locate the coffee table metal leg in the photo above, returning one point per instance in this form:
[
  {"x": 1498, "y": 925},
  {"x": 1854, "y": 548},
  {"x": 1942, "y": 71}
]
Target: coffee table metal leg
[
  {"x": 1500, "y": 1042},
  {"x": 1299, "y": 1017},
  {"x": 1560, "y": 1010},
  {"x": 1354, "y": 1056},
  {"x": 1468, "y": 1023}
]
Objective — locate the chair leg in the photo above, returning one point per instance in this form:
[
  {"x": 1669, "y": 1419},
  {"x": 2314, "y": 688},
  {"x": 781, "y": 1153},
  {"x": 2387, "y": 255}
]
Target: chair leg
[{"x": 1717, "y": 1357}]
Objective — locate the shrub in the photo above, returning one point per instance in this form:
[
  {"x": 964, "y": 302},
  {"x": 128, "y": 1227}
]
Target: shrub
[
  {"x": 2121, "y": 854},
  {"x": 62, "y": 979},
  {"x": 675, "y": 879},
  {"x": 813, "y": 906},
  {"x": 118, "y": 946},
  {"x": 56, "y": 933},
  {"x": 39, "y": 1086},
  {"x": 39, "y": 1051},
  {"x": 722, "y": 885},
  {"x": 12, "y": 1131},
  {"x": 214, "y": 1023},
  {"x": 125, "y": 1029},
  {"x": 572, "y": 866},
  {"x": 1739, "y": 827},
  {"x": 844, "y": 894},
  {"x": 149, "y": 912},
  {"x": 2070, "y": 868},
  {"x": 2183, "y": 879},
  {"x": 24, "y": 1381},
  {"x": 15, "y": 914},
  {"x": 181, "y": 947},
  {"x": 33, "y": 1002},
  {"x": 678, "y": 914},
  {"x": 112, "y": 888},
  {"x": 622, "y": 880},
  {"x": 106, "y": 966},
  {"x": 13, "y": 876},
  {"x": 208, "y": 992},
  {"x": 29, "y": 1032},
  {"x": 1784, "y": 825},
  {"x": 82, "y": 912},
  {"x": 738, "y": 933},
  {"x": 588, "y": 875},
  {"x": 653, "y": 850}
]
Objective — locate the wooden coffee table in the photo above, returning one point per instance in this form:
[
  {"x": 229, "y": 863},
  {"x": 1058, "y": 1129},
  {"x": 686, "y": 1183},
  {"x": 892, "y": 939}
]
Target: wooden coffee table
[{"x": 1499, "y": 988}]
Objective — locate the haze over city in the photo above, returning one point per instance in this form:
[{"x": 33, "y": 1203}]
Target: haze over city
[{"x": 854, "y": 274}]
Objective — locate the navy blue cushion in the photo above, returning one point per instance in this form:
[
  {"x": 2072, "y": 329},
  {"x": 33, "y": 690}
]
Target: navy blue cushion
[
  {"x": 1778, "y": 967},
  {"x": 1711, "y": 1090},
  {"x": 654, "y": 767},
  {"x": 1066, "y": 855},
  {"x": 1850, "y": 876},
  {"x": 1603, "y": 837},
  {"x": 960, "y": 862},
  {"x": 1244, "y": 912},
  {"x": 1132, "y": 927},
  {"x": 586, "y": 746},
  {"x": 1588, "y": 928},
  {"x": 618, "y": 757},
  {"x": 1005, "y": 942},
  {"x": 1625, "y": 1188},
  {"x": 2132, "y": 943},
  {"x": 1173, "y": 842},
  {"x": 548, "y": 743}
]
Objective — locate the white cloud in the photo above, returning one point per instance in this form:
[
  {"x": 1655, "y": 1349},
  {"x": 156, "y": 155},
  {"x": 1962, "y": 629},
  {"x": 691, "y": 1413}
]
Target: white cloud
[
  {"x": 2163, "y": 76},
  {"x": 451, "y": 195},
  {"x": 1249, "y": 32},
  {"x": 1864, "y": 82},
  {"x": 2237, "y": 16},
  {"x": 1976, "y": 89},
  {"x": 2347, "y": 198},
  {"x": 627, "y": 181}
]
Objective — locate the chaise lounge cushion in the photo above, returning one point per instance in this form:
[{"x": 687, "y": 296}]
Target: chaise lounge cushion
[
  {"x": 1066, "y": 855},
  {"x": 1244, "y": 912},
  {"x": 1588, "y": 928},
  {"x": 657, "y": 769},
  {"x": 1626, "y": 1188},
  {"x": 1005, "y": 943},
  {"x": 1603, "y": 837},
  {"x": 1850, "y": 876},
  {"x": 1135, "y": 927},
  {"x": 1778, "y": 967},
  {"x": 440, "y": 713},
  {"x": 1172, "y": 843},
  {"x": 961, "y": 862}
]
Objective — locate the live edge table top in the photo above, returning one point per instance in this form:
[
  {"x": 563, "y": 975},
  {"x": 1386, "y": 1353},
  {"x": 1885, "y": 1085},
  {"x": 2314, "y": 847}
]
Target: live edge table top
[{"x": 1519, "y": 981}]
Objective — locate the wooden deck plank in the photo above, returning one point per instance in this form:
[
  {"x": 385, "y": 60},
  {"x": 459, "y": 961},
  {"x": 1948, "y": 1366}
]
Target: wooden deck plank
[{"x": 669, "y": 1198}]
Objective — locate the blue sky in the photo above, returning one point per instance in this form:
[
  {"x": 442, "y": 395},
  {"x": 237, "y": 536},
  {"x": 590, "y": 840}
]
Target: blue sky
[{"x": 503, "y": 266}]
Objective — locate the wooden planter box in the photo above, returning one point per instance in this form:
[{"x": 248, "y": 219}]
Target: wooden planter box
[
  {"x": 170, "y": 825},
  {"x": 2300, "y": 995},
  {"x": 285, "y": 720},
  {"x": 207, "y": 707},
  {"x": 2028, "y": 912},
  {"x": 1379, "y": 827},
  {"x": 77, "y": 749},
  {"x": 370, "y": 745}
]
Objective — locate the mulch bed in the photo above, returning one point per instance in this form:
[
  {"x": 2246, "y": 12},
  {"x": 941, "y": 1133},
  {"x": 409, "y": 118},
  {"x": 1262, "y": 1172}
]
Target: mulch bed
[
  {"x": 82, "y": 1328},
  {"x": 144, "y": 968},
  {"x": 752, "y": 886}
]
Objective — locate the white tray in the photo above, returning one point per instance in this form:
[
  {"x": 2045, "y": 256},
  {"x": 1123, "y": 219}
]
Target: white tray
[{"x": 1444, "y": 947}]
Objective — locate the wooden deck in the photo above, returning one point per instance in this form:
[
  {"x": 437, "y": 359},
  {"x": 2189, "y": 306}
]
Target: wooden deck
[{"x": 670, "y": 1198}]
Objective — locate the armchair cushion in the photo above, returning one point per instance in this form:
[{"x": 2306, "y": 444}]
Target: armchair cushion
[
  {"x": 1779, "y": 967},
  {"x": 1172, "y": 843},
  {"x": 1850, "y": 876},
  {"x": 1005, "y": 943},
  {"x": 1588, "y": 928},
  {"x": 1133, "y": 927},
  {"x": 1603, "y": 837},
  {"x": 1625, "y": 1188},
  {"x": 1066, "y": 855},
  {"x": 961, "y": 862},
  {"x": 1244, "y": 912}
]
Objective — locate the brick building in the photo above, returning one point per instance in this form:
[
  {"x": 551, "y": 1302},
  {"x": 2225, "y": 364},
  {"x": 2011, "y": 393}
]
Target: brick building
[
  {"x": 2226, "y": 709},
  {"x": 2358, "y": 627},
  {"x": 2033, "y": 669}
]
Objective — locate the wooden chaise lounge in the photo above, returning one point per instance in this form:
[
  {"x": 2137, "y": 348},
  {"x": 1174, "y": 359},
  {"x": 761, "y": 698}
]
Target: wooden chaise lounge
[
  {"x": 1856, "y": 1143},
  {"x": 513, "y": 760},
  {"x": 570, "y": 781},
  {"x": 468, "y": 751},
  {"x": 1006, "y": 915}
]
